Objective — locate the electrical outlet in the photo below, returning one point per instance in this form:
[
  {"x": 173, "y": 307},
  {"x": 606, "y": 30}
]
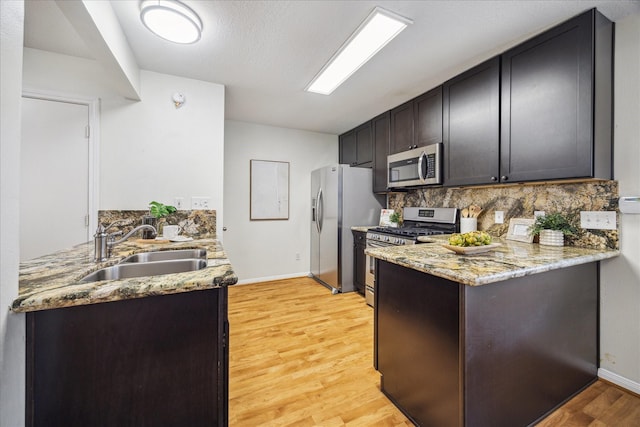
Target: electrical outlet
[
  {"x": 200, "y": 203},
  {"x": 178, "y": 202},
  {"x": 536, "y": 214},
  {"x": 598, "y": 220},
  {"x": 297, "y": 256},
  {"x": 499, "y": 217}
]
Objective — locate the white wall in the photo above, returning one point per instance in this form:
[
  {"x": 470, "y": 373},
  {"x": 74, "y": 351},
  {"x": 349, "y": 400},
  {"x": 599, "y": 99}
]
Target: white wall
[
  {"x": 620, "y": 277},
  {"x": 266, "y": 250},
  {"x": 149, "y": 149},
  {"x": 12, "y": 326},
  {"x": 152, "y": 150}
]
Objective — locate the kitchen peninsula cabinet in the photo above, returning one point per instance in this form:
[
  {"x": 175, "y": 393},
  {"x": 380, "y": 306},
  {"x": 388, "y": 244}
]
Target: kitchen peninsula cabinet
[
  {"x": 471, "y": 117},
  {"x": 503, "y": 354},
  {"x": 138, "y": 351},
  {"x": 557, "y": 103},
  {"x": 356, "y": 146},
  {"x": 417, "y": 123},
  {"x": 380, "y": 129},
  {"x": 160, "y": 360}
]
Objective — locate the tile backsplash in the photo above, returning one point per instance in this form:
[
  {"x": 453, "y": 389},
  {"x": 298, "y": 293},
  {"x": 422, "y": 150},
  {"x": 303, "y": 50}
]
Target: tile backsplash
[
  {"x": 196, "y": 224},
  {"x": 521, "y": 200}
]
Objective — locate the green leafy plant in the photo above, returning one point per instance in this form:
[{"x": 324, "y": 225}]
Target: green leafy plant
[
  {"x": 554, "y": 221},
  {"x": 160, "y": 210},
  {"x": 395, "y": 217}
]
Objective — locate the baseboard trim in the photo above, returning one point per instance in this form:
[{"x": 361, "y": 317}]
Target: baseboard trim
[
  {"x": 619, "y": 380},
  {"x": 271, "y": 278}
]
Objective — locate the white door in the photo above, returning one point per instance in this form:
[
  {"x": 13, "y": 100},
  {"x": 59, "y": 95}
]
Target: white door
[{"x": 54, "y": 176}]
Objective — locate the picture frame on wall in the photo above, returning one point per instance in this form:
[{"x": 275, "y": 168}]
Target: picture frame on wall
[
  {"x": 269, "y": 190},
  {"x": 519, "y": 230}
]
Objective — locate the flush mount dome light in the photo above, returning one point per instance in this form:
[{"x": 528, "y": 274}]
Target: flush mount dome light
[{"x": 171, "y": 20}]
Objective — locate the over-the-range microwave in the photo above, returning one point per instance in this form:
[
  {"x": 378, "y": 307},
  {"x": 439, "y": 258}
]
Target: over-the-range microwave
[{"x": 420, "y": 166}]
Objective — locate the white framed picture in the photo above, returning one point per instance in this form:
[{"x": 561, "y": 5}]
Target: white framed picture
[{"x": 519, "y": 229}]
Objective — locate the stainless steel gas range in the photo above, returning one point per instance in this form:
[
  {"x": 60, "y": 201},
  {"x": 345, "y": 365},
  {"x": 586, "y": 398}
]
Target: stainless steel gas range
[{"x": 417, "y": 223}]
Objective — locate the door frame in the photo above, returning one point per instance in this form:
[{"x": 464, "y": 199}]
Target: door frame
[{"x": 93, "y": 105}]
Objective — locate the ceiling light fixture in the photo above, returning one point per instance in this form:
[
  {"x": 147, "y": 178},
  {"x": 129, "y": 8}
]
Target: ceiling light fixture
[
  {"x": 380, "y": 27},
  {"x": 171, "y": 20}
]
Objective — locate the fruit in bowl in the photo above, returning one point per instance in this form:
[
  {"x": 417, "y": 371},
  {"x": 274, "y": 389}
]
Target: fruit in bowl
[{"x": 472, "y": 238}]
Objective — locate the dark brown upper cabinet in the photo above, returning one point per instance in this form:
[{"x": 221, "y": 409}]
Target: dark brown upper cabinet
[
  {"x": 401, "y": 128},
  {"x": 556, "y": 103},
  {"x": 427, "y": 114},
  {"x": 417, "y": 123},
  {"x": 471, "y": 113},
  {"x": 356, "y": 146},
  {"x": 380, "y": 127}
]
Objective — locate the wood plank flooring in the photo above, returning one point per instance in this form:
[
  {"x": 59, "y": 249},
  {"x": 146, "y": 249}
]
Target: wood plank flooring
[{"x": 300, "y": 356}]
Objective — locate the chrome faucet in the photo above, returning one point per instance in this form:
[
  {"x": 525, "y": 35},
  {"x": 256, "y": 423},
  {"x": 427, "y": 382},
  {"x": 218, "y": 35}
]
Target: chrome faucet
[{"x": 104, "y": 242}]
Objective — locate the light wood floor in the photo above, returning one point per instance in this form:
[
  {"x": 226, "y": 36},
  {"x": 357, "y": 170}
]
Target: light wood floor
[{"x": 300, "y": 356}]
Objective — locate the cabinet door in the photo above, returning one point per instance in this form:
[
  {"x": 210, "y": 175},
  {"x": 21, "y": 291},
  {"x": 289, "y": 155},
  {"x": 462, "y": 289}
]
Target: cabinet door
[
  {"x": 364, "y": 145},
  {"x": 348, "y": 149},
  {"x": 427, "y": 110},
  {"x": 380, "y": 130},
  {"x": 359, "y": 261},
  {"x": 471, "y": 125},
  {"x": 401, "y": 128},
  {"x": 547, "y": 104}
]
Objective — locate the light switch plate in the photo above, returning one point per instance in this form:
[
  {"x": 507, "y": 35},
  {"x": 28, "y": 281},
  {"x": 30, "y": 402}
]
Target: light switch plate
[
  {"x": 598, "y": 220},
  {"x": 200, "y": 203}
]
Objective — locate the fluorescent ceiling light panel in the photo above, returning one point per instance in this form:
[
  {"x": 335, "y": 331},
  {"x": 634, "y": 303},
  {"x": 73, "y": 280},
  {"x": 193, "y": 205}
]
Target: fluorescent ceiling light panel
[
  {"x": 380, "y": 27},
  {"x": 171, "y": 20}
]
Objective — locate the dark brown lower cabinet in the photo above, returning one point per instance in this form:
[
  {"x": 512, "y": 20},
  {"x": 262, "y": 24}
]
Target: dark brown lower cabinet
[
  {"x": 502, "y": 354},
  {"x": 155, "y": 361}
]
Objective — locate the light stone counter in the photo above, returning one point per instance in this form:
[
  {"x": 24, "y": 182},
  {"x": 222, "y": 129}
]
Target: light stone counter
[
  {"x": 510, "y": 260},
  {"x": 53, "y": 281},
  {"x": 362, "y": 228}
]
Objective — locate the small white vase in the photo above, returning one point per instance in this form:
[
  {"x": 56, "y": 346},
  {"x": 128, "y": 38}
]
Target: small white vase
[
  {"x": 551, "y": 238},
  {"x": 468, "y": 224}
]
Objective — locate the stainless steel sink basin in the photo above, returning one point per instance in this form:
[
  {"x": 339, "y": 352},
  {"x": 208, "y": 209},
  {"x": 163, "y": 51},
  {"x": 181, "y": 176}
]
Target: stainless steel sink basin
[
  {"x": 140, "y": 269},
  {"x": 166, "y": 255}
]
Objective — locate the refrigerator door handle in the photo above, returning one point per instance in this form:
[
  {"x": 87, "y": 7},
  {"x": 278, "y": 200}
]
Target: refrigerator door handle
[
  {"x": 313, "y": 210},
  {"x": 320, "y": 211}
]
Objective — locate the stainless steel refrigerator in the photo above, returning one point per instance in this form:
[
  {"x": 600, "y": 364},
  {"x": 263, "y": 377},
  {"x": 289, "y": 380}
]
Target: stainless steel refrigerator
[{"x": 341, "y": 197}]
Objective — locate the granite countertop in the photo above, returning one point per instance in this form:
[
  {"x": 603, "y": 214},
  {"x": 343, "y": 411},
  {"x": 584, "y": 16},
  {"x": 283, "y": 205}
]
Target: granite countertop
[
  {"x": 53, "y": 281},
  {"x": 509, "y": 260},
  {"x": 362, "y": 228}
]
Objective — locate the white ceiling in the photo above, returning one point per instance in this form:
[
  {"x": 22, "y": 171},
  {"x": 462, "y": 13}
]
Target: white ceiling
[{"x": 266, "y": 52}]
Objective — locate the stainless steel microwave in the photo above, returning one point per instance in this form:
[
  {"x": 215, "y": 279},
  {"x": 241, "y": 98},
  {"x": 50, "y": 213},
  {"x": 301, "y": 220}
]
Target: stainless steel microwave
[{"x": 420, "y": 166}]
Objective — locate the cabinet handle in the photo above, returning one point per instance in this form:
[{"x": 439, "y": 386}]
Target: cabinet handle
[
  {"x": 494, "y": 178},
  {"x": 504, "y": 178}
]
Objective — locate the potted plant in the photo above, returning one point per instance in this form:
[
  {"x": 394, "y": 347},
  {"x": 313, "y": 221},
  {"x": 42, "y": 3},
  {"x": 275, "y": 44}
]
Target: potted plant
[
  {"x": 395, "y": 219},
  {"x": 157, "y": 211},
  {"x": 552, "y": 228}
]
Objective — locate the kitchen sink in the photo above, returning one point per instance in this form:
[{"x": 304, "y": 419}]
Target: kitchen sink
[
  {"x": 166, "y": 256},
  {"x": 141, "y": 269}
]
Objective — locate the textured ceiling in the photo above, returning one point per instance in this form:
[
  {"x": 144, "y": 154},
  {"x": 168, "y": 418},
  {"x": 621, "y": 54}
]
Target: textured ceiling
[{"x": 266, "y": 52}]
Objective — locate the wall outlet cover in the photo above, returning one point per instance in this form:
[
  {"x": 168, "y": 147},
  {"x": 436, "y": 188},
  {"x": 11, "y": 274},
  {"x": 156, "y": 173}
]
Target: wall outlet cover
[{"x": 499, "y": 217}]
